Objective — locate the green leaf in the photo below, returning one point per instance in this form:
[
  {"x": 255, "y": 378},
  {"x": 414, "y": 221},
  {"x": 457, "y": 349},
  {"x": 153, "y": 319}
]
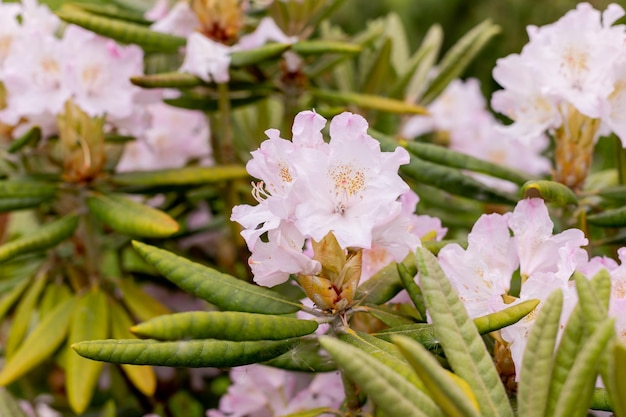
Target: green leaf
[
  {"x": 9, "y": 406},
  {"x": 318, "y": 47},
  {"x": 142, "y": 377},
  {"x": 391, "y": 392},
  {"x": 454, "y": 159},
  {"x": 618, "y": 375},
  {"x": 378, "y": 75},
  {"x": 190, "y": 176},
  {"x": 20, "y": 194},
  {"x": 167, "y": 80},
  {"x": 551, "y": 191},
  {"x": 187, "y": 353},
  {"x": 130, "y": 217},
  {"x": 578, "y": 389},
  {"x": 12, "y": 296},
  {"x": 222, "y": 290},
  {"x": 24, "y": 314},
  {"x": 385, "y": 284},
  {"x": 257, "y": 55},
  {"x": 111, "y": 11},
  {"x": 31, "y": 137},
  {"x": 420, "y": 66},
  {"x": 192, "y": 102},
  {"x": 609, "y": 218},
  {"x": 387, "y": 315},
  {"x": 458, "y": 58},
  {"x": 538, "y": 359},
  {"x": 45, "y": 237},
  {"x": 310, "y": 413},
  {"x": 124, "y": 32},
  {"x": 140, "y": 304},
  {"x": 304, "y": 357},
  {"x": 40, "y": 344},
  {"x": 367, "y": 101},
  {"x": 90, "y": 320},
  {"x": 460, "y": 339},
  {"x": 226, "y": 325},
  {"x": 601, "y": 401},
  {"x": 454, "y": 398},
  {"x": 414, "y": 291}
]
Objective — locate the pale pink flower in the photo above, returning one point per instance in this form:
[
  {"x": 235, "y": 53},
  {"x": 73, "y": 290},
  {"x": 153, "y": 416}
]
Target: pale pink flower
[
  {"x": 266, "y": 31},
  {"x": 180, "y": 20},
  {"x": 206, "y": 59}
]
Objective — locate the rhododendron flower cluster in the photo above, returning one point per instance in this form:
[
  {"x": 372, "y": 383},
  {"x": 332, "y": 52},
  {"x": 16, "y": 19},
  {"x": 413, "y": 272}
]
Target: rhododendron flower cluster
[
  {"x": 499, "y": 245},
  {"x": 461, "y": 118},
  {"x": 310, "y": 188}
]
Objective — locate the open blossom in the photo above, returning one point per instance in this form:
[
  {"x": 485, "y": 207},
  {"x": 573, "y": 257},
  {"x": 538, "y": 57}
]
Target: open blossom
[{"x": 310, "y": 188}]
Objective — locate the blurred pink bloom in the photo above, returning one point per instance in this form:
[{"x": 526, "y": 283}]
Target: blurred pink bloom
[
  {"x": 206, "y": 59},
  {"x": 180, "y": 20}
]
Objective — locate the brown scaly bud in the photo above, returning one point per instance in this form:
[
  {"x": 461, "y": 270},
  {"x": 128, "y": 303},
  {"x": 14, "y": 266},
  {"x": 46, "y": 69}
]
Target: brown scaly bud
[{"x": 220, "y": 20}]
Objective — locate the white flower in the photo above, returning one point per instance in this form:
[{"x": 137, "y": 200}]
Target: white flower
[{"x": 206, "y": 59}]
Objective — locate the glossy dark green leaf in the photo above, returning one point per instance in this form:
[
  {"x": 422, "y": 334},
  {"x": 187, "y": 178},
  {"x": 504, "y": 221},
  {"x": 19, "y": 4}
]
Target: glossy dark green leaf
[
  {"x": 609, "y": 218},
  {"x": 167, "y": 80},
  {"x": 226, "y": 325},
  {"x": 454, "y": 159},
  {"x": 20, "y": 194},
  {"x": 209, "y": 104},
  {"x": 131, "y": 217},
  {"x": 222, "y": 290},
  {"x": 550, "y": 191},
  {"x": 124, "y": 32},
  {"x": 187, "y": 353},
  {"x": 45, "y": 237},
  {"x": 190, "y": 176},
  {"x": 31, "y": 137},
  {"x": 367, "y": 101}
]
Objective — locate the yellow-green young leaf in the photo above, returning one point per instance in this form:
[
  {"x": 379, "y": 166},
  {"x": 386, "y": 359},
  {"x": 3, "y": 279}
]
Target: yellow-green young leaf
[
  {"x": 167, "y": 80},
  {"x": 459, "y": 57},
  {"x": 40, "y": 344},
  {"x": 24, "y": 314},
  {"x": 90, "y": 320},
  {"x": 461, "y": 342},
  {"x": 578, "y": 389},
  {"x": 538, "y": 359},
  {"x": 190, "y": 176},
  {"x": 311, "y": 413},
  {"x": 510, "y": 315},
  {"x": 392, "y": 394},
  {"x": 380, "y": 72},
  {"x": 318, "y": 47},
  {"x": 142, "y": 377},
  {"x": 414, "y": 291},
  {"x": 9, "y": 406},
  {"x": 141, "y": 305},
  {"x": 609, "y": 218},
  {"x": 454, "y": 159},
  {"x": 385, "y": 352},
  {"x": 20, "y": 194},
  {"x": 601, "y": 401},
  {"x": 260, "y": 54},
  {"x": 187, "y": 353},
  {"x": 226, "y": 325},
  {"x": 124, "y": 32},
  {"x": 54, "y": 295},
  {"x": 434, "y": 246},
  {"x": 367, "y": 101},
  {"x": 305, "y": 357},
  {"x": 31, "y": 137},
  {"x": 551, "y": 191},
  {"x": 45, "y": 237},
  {"x": 452, "y": 395},
  {"x": 618, "y": 376},
  {"x": 385, "y": 284},
  {"x": 387, "y": 315},
  {"x": 222, "y": 290},
  {"x": 11, "y": 297},
  {"x": 110, "y": 10},
  {"x": 130, "y": 217}
]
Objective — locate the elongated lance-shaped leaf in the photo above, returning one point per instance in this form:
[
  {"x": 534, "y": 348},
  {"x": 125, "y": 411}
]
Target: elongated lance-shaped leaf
[
  {"x": 310, "y": 413},
  {"x": 318, "y": 47},
  {"x": 131, "y": 217},
  {"x": 385, "y": 284},
  {"x": 387, "y": 315},
  {"x": 187, "y": 353},
  {"x": 140, "y": 304},
  {"x": 194, "y": 102},
  {"x": 594, "y": 298},
  {"x": 368, "y": 101},
  {"x": 425, "y": 333},
  {"x": 46, "y": 237},
  {"x": 11, "y": 297},
  {"x": 618, "y": 377},
  {"x": 391, "y": 392},
  {"x": 19, "y": 194},
  {"x": 538, "y": 359},
  {"x": 609, "y": 218},
  {"x": 190, "y": 176},
  {"x": 385, "y": 352},
  {"x": 124, "y": 32},
  {"x": 257, "y": 55},
  {"x": 111, "y": 11},
  {"x": 578, "y": 389},
  {"x": 459, "y": 57},
  {"x": 380, "y": 70},
  {"x": 451, "y": 394},
  {"x": 142, "y": 377},
  {"x": 226, "y": 325},
  {"x": 225, "y": 291},
  {"x": 600, "y": 400},
  {"x": 90, "y": 320},
  {"x": 414, "y": 291},
  {"x": 304, "y": 357},
  {"x": 460, "y": 339},
  {"x": 9, "y": 406},
  {"x": 167, "y": 80},
  {"x": 454, "y": 159},
  {"x": 31, "y": 137},
  {"x": 551, "y": 191},
  {"x": 572, "y": 340},
  {"x": 23, "y": 314},
  {"x": 40, "y": 344}
]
